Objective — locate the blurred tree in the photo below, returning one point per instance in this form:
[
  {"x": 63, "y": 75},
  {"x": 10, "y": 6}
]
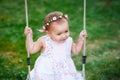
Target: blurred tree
[{"x": 107, "y": 2}]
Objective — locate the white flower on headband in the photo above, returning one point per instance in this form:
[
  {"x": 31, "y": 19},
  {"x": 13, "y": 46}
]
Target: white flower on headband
[
  {"x": 60, "y": 16},
  {"x": 54, "y": 18},
  {"x": 66, "y": 16},
  {"x": 47, "y": 24}
]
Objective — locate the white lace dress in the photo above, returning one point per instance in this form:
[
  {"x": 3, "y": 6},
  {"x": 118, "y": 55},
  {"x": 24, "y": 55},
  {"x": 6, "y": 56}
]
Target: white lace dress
[{"x": 55, "y": 62}]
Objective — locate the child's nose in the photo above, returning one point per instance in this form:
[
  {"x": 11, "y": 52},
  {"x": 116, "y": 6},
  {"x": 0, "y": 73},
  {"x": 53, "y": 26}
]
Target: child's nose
[{"x": 64, "y": 35}]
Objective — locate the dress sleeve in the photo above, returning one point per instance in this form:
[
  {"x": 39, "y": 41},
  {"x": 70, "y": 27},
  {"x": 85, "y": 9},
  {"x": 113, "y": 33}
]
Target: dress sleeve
[{"x": 69, "y": 45}]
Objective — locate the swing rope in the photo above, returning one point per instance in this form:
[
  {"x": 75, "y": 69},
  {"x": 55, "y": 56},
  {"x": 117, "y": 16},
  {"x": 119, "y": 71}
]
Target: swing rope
[
  {"x": 28, "y": 54},
  {"x": 84, "y": 46}
]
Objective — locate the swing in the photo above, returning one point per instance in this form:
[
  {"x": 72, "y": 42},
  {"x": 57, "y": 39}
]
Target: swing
[{"x": 84, "y": 46}]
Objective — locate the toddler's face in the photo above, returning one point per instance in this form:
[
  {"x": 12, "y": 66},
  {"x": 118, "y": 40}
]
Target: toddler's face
[{"x": 59, "y": 32}]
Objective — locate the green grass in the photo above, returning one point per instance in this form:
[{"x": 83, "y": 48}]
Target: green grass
[{"x": 103, "y": 54}]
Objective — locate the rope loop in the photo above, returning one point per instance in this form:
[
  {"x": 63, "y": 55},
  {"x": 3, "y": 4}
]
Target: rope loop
[
  {"x": 28, "y": 61},
  {"x": 84, "y": 59}
]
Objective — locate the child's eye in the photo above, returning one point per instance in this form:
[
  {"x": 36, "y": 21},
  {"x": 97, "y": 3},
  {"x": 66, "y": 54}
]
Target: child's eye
[
  {"x": 59, "y": 34},
  {"x": 66, "y": 31}
]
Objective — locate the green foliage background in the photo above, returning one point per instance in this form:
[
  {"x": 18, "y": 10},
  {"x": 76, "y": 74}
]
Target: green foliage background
[{"x": 103, "y": 42}]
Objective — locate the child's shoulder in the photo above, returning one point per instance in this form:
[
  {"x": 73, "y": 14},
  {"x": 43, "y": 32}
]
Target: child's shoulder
[
  {"x": 44, "y": 37},
  {"x": 41, "y": 39},
  {"x": 70, "y": 38}
]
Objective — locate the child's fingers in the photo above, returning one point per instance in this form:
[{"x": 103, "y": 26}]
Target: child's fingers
[
  {"x": 83, "y": 34},
  {"x": 27, "y": 30}
]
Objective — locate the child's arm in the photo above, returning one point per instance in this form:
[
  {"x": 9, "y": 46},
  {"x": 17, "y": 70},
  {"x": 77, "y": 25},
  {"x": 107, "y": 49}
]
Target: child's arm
[
  {"x": 31, "y": 46},
  {"x": 76, "y": 47}
]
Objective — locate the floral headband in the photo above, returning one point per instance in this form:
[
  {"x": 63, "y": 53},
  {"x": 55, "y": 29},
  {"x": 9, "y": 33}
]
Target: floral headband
[{"x": 54, "y": 19}]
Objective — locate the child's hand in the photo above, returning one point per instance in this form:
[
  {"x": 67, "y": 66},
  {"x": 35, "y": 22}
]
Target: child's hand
[
  {"x": 83, "y": 34},
  {"x": 27, "y": 31}
]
